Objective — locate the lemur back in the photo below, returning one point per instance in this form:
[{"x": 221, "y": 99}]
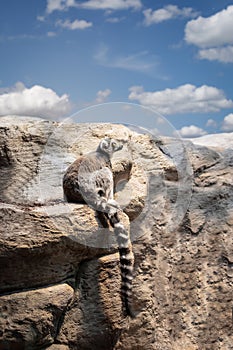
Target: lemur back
[
  {"x": 90, "y": 180},
  {"x": 83, "y": 169}
]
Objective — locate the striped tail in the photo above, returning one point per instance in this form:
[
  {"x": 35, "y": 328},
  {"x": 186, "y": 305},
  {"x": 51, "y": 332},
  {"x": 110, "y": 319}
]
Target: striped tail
[{"x": 126, "y": 263}]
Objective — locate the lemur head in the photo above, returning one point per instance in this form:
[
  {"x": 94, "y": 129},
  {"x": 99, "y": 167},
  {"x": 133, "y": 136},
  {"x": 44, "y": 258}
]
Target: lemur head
[{"x": 108, "y": 146}]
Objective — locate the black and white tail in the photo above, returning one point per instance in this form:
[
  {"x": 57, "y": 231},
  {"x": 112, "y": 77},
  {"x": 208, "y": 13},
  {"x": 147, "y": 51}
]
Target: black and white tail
[
  {"x": 90, "y": 179},
  {"x": 126, "y": 263}
]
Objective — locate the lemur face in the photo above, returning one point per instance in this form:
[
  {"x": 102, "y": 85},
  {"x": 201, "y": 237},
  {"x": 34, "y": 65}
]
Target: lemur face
[{"x": 109, "y": 146}]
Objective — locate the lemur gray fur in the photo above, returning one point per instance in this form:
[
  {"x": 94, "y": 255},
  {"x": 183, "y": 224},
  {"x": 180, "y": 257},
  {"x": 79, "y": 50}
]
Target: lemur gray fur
[{"x": 89, "y": 179}]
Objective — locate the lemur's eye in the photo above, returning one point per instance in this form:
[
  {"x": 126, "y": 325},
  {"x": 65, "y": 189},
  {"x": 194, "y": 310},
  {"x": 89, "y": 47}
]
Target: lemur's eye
[{"x": 114, "y": 144}]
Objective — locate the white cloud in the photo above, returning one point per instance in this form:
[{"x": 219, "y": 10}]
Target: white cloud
[
  {"x": 102, "y": 95},
  {"x": 191, "y": 131},
  {"x": 35, "y": 101},
  {"x": 212, "y": 31},
  {"x": 222, "y": 54},
  {"x": 59, "y": 5},
  {"x": 166, "y": 13},
  {"x": 183, "y": 99},
  {"x": 211, "y": 123},
  {"x": 62, "y": 5},
  {"x": 139, "y": 61},
  {"x": 76, "y": 24},
  {"x": 228, "y": 123},
  {"x": 111, "y": 4}
]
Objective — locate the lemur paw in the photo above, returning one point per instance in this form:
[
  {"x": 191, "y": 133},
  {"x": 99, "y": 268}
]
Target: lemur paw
[
  {"x": 112, "y": 211},
  {"x": 114, "y": 204},
  {"x": 113, "y": 208}
]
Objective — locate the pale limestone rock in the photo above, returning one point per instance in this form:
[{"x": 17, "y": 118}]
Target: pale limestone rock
[{"x": 61, "y": 267}]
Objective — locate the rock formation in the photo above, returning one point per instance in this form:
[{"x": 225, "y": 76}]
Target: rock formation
[{"x": 59, "y": 276}]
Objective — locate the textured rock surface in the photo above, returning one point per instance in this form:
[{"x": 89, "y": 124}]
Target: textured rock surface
[
  {"x": 32, "y": 318},
  {"x": 59, "y": 277}
]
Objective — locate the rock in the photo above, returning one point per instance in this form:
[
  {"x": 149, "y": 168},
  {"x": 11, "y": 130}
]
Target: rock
[
  {"x": 218, "y": 141},
  {"x": 57, "y": 347},
  {"x": 31, "y": 319},
  {"x": 41, "y": 248},
  {"x": 60, "y": 285},
  {"x": 95, "y": 319}
]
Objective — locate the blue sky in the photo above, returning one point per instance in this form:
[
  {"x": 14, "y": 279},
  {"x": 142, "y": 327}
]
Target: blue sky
[{"x": 59, "y": 56}]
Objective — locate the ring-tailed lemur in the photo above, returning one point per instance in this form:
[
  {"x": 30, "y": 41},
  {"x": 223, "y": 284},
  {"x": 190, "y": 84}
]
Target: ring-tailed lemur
[{"x": 90, "y": 179}]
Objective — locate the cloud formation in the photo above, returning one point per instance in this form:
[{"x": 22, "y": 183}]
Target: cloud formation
[
  {"x": 211, "y": 123},
  {"x": 191, "y": 131},
  {"x": 111, "y": 4},
  {"x": 183, "y": 99},
  {"x": 212, "y": 35},
  {"x": 102, "y": 95},
  {"x": 166, "y": 13},
  {"x": 76, "y": 24},
  {"x": 59, "y": 5},
  {"x": 222, "y": 54},
  {"x": 227, "y": 124},
  {"x": 35, "y": 101},
  {"x": 62, "y": 5},
  {"x": 211, "y": 31}
]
